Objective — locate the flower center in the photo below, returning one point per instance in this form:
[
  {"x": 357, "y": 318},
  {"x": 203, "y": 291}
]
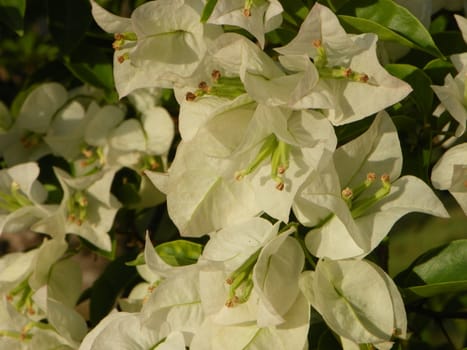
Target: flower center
[
  {"x": 31, "y": 140},
  {"x": 241, "y": 281},
  {"x": 92, "y": 155},
  {"x": 335, "y": 72},
  {"x": 77, "y": 206},
  {"x": 13, "y": 200},
  {"x": 278, "y": 151},
  {"x": 148, "y": 162},
  {"x": 230, "y": 87},
  {"x": 359, "y": 206},
  {"x": 123, "y": 38},
  {"x": 21, "y": 298}
]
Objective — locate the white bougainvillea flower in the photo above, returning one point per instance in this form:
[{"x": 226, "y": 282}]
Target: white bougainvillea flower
[
  {"x": 295, "y": 84},
  {"x": 24, "y": 140},
  {"x": 450, "y": 173},
  {"x": 357, "y": 300},
  {"x": 24, "y": 274},
  {"x": 257, "y": 17},
  {"x": 452, "y": 93},
  {"x": 18, "y": 332},
  {"x": 297, "y": 142},
  {"x": 164, "y": 40},
  {"x": 349, "y": 210},
  {"x": 259, "y": 169},
  {"x": 20, "y": 198},
  {"x": 135, "y": 142},
  {"x": 87, "y": 208},
  {"x": 33, "y": 284},
  {"x": 451, "y": 96},
  {"x": 93, "y": 150},
  {"x": 57, "y": 300},
  {"x": 65, "y": 133},
  {"x": 362, "y": 86},
  {"x": 255, "y": 261}
]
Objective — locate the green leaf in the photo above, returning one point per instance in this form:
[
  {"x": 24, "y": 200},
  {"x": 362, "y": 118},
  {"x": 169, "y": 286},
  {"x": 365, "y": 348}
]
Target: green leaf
[
  {"x": 175, "y": 253},
  {"x": 68, "y": 22},
  {"x": 12, "y": 14},
  {"x": 440, "y": 270},
  {"x": 179, "y": 252},
  {"x": 444, "y": 264},
  {"x": 105, "y": 290},
  {"x": 431, "y": 290},
  {"x": 422, "y": 93},
  {"x": 208, "y": 9},
  {"x": 362, "y": 25},
  {"x": 396, "y": 18}
]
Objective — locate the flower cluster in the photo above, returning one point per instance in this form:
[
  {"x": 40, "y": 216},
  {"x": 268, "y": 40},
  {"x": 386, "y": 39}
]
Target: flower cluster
[{"x": 289, "y": 210}]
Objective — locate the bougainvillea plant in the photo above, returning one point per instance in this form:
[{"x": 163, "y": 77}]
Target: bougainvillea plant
[{"x": 252, "y": 174}]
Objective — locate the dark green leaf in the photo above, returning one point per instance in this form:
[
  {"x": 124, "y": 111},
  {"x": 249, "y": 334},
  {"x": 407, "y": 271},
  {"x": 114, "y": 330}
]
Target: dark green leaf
[
  {"x": 444, "y": 264},
  {"x": 208, "y": 9},
  {"x": 388, "y": 14},
  {"x": 440, "y": 270},
  {"x": 12, "y": 14},
  {"x": 179, "y": 252},
  {"x": 420, "y": 83},
  {"x": 362, "y": 25},
  {"x": 68, "y": 22},
  {"x": 433, "y": 289},
  {"x": 108, "y": 287},
  {"x": 294, "y": 11}
]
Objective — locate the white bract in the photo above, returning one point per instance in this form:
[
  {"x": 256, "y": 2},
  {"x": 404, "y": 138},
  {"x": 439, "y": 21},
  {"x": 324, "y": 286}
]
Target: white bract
[
  {"x": 452, "y": 93},
  {"x": 348, "y": 67},
  {"x": 163, "y": 40},
  {"x": 20, "y": 198},
  {"x": 349, "y": 210},
  {"x": 24, "y": 139},
  {"x": 257, "y": 261},
  {"x": 450, "y": 173},
  {"x": 257, "y": 17},
  {"x": 202, "y": 193},
  {"x": 87, "y": 209},
  {"x": 32, "y": 290},
  {"x": 452, "y": 98},
  {"x": 358, "y": 300}
]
